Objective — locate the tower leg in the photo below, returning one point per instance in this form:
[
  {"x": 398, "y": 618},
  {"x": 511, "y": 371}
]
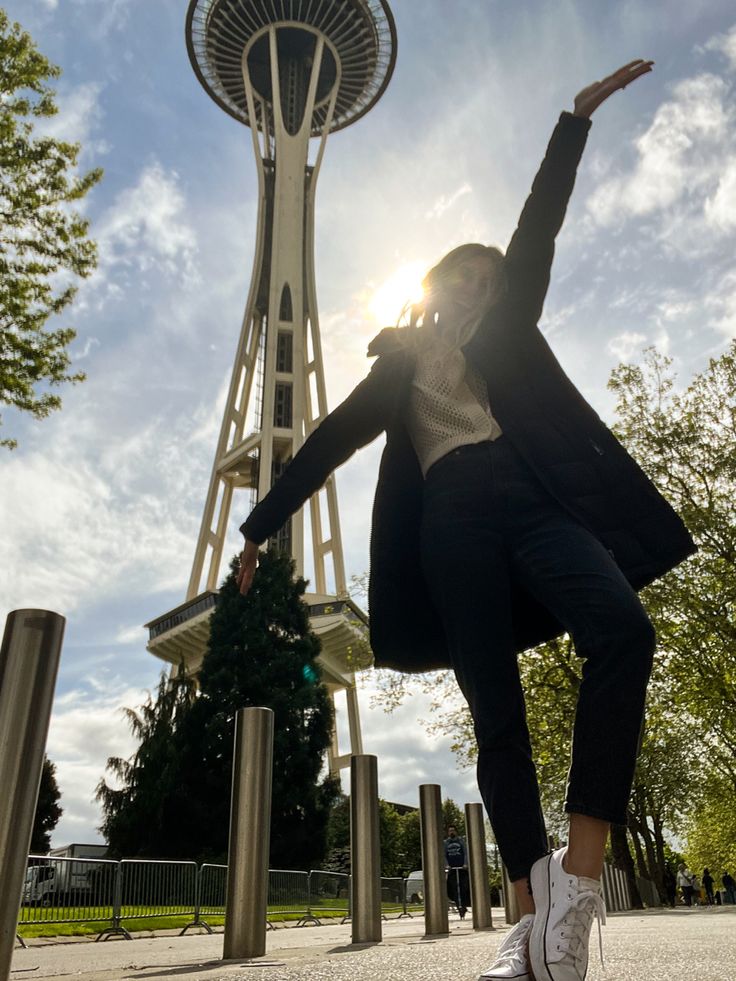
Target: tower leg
[{"x": 356, "y": 738}]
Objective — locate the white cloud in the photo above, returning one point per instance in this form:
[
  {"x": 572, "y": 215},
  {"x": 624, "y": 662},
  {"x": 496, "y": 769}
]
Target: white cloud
[
  {"x": 626, "y": 344},
  {"x": 415, "y": 757},
  {"x": 679, "y": 155},
  {"x": 87, "y": 727},
  {"x": 446, "y": 201},
  {"x": 721, "y": 302},
  {"x": 720, "y": 207},
  {"x": 724, "y": 43},
  {"x": 132, "y": 635},
  {"x": 105, "y": 16},
  {"x": 79, "y": 117},
  {"x": 91, "y": 516},
  {"x": 146, "y": 229}
]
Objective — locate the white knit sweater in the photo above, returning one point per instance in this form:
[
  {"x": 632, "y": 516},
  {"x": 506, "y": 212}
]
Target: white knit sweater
[{"x": 448, "y": 405}]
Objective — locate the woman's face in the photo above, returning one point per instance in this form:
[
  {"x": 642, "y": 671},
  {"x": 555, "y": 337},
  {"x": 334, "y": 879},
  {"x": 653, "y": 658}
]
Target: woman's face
[{"x": 466, "y": 286}]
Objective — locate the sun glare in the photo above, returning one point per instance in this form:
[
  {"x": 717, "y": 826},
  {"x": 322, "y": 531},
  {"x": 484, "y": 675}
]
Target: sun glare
[{"x": 404, "y": 285}]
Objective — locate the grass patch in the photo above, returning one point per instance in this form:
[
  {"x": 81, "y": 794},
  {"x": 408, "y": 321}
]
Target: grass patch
[{"x": 134, "y": 918}]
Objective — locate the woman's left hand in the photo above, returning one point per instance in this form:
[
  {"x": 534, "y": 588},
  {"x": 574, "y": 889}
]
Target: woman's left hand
[
  {"x": 247, "y": 570},
  {"x": 588, "y": 100}
]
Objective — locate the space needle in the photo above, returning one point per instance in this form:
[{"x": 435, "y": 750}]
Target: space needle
[{"x": 293, "y": 71}]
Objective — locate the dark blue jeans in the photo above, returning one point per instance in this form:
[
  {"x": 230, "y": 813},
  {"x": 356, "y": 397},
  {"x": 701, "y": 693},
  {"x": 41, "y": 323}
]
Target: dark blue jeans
[{"x": 487, "y": 520}]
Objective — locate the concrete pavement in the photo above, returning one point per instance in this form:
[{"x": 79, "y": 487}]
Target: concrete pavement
[{"x": 656, "y": 945}]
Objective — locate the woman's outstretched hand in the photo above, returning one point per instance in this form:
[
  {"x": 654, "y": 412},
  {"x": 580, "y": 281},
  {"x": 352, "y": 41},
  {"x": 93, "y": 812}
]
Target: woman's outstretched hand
[
  {"x": 587, "y": 101},
  {"x": 248, "y": 563}
]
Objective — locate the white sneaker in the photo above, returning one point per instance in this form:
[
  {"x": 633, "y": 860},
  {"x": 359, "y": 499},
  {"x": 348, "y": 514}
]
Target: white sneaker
[
  {"x": 566, "y": 905},
  {"x": 512, "y": 960}
]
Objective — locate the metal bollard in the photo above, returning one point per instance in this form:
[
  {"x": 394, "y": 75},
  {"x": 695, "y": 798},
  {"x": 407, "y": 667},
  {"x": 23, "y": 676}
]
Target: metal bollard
[
  {"x": 250, "y": 821},
  {"x": 365, "y": 850},
  {"x": 480, "y": 893},
  {"x": 29, "y": 661},
  {"x": 511, "y": 901},
  {"x": 433, "y": 860}
]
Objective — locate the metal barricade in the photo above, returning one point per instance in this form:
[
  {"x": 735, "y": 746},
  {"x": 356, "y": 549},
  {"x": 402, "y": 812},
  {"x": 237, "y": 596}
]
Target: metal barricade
[
  {"x": 288, "y": 895},
  {"x": 67, "y": 890},
  {"x": 212, "y": 889},
  {"x": 329, "y": 895},
  {"x": 152, "y": 889},
  {"x": 392, "y": 897},
  {"x": 209, "y": 897}
]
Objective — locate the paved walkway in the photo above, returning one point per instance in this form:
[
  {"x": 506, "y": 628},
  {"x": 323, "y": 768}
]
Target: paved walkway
[{"x": 657, "y": 945}]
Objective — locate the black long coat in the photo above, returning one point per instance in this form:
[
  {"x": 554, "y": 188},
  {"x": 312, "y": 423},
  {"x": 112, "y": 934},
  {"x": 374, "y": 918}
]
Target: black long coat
[{"x": 538, "y": 408}]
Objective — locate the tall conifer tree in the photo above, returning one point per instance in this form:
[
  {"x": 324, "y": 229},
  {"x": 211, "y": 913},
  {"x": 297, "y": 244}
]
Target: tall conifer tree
[
  {"x": 262, "y": 653},
  {"x": 174, "y": 798}
]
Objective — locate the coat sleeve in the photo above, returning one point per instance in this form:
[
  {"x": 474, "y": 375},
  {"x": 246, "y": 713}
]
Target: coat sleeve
[
  {"x": 531, "y": 249},
  {"x": 354, "y": 423}
]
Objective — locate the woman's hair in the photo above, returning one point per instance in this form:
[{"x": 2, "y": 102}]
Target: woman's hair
[{"x": 427, "y": 309}]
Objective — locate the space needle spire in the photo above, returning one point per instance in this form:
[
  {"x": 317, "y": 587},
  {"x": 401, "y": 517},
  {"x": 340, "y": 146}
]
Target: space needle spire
[{"x": 293, "y": 71}]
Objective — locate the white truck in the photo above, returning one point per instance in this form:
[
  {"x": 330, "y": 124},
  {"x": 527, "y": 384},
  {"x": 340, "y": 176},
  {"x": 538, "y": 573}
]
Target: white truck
[{"x": 57, "y": 879}]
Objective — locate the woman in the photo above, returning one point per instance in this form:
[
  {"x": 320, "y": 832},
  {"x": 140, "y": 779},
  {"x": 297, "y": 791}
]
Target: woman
[
  {"x": 505, "y": 514},
  {"x": 685, "y": 883}
]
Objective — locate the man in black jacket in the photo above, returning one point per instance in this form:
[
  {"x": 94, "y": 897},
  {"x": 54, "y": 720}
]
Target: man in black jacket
[{"x": 536, "y": 522}]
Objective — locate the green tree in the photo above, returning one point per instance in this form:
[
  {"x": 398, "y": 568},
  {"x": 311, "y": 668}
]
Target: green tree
[
  {"x": 411, "y": 841},
  {"x": 48, "y": 810},
  {"x": 686, "y": 441},
  {"x": 337, "y": 836},
  {"x": 262, "y": 652},
  {"x": 173, "y": 798},
  {"x": 43, "y": 241},
  {"x": 390, "y": 832},
  {"x": 143, "y": 816},
  {"x": 710, "y": 828},
  {"x": 452, "y": 816}
]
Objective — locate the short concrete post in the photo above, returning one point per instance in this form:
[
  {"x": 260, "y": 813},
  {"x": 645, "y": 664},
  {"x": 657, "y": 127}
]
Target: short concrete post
[
  {"x": 29, "y": 661},
  {"x": 365, "y": 850},
  {"x": 250, "y": 821},
  {"x": 436, "y": 920},
  {"x": 480, "y": 893}
]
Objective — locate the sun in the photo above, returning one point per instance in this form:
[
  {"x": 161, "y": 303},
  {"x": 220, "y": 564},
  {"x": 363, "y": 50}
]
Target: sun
[{"x": 403, "y": 286}]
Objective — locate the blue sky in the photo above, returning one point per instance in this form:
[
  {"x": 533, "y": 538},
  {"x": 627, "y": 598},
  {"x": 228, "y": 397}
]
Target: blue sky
[{"x": 100, "y": 504}]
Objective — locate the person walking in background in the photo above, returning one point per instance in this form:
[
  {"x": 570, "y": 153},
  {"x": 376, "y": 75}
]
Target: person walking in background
[
  {"x": 729, "y": 886},
  {"x": 456, "y": 860},
  {"x": 685, "y": 883},
  {"x": 697, "y": 892},
  {"x": 670, "y": 886},
  {"x": 707, "y": 881},
  {"x": 506, "y": 513}
]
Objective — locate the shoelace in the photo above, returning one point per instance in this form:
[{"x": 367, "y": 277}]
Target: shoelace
[
  {"x": 579, "y": 928},
  {"x": 514, "y": 950}
]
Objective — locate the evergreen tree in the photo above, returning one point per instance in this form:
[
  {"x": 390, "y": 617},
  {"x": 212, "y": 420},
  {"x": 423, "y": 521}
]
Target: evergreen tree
[
  {"x": 262, "y": 652},
  {"x": 174, "y": 795},
  {"x": 142, "y": 817},
  {"x": 42, "y": 240},
  {"x": 48, "y": 810}
]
